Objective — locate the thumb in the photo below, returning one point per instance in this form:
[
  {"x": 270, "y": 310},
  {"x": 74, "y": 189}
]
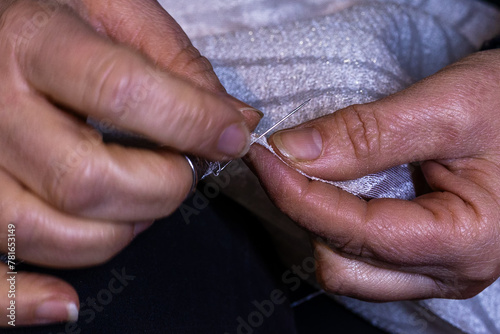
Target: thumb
[
  {"x": 448, "y": 115},
  {"x": 35, "y": 299}
]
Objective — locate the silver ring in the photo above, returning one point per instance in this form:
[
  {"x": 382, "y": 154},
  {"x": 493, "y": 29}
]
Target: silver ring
[{"x": 195, "y": 175}]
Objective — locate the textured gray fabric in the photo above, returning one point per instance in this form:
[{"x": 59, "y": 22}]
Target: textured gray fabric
[{"x": 274, "y": 54}]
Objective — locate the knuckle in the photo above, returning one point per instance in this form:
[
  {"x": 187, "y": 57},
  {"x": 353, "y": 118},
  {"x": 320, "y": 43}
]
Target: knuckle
[
  {"x": 471, "y": 289},
  {"x": 472, "y": 259},
  {"x": 188, "y": 59},
  {"x": 79, "y": 188},
  {"x": 328, "y": 279},
  {"x": 117, "y": 244},
  {"x": 454, "y": 122},
  {"x": 458, "y": 287},
  {"x": 202, "y": 64},
  {"x": 194, "y": 61},
  {"x": 188, "y": 122},
  {"x": 354, "y": 246},
  {"x": 481, "y": 271},
  {"x": 340, "y": 279},
  {"x": 118, "y": 84},
  {"x": 103, "y": 247},
  {"x": 361, "y": 129},
  {"x": 284, "y": 197},
  {"x": 13, "y": 22},
  {"x": 329, "y": 273},
  {"x": 475, "y": 251},
  {"x": 21, "y": 21},
  {"x": 189, "y": 62},
  {"x": 76, "y": 248},
  {"x": 461, "y": 112}
]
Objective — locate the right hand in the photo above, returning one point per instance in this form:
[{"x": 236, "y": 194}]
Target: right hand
[
  {"x": 444, "y": 243},
  {"x": 74, "y": 200}
]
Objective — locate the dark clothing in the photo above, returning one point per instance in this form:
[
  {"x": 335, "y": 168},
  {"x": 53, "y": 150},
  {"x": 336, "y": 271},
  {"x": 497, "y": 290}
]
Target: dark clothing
[
  {"x": 177, "y": 278},
  {"x": 495, "y": 2},
  {"x": 219, "y": 274}
]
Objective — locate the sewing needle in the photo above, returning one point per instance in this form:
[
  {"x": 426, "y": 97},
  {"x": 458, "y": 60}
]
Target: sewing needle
[
  {"x": 268, "y": 130},
  {"x": 281, "y": 121}
]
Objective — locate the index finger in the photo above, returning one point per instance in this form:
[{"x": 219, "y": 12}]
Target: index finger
[
  {"x": 410, "y": 234},
  {"x": 76, "y": 67}
]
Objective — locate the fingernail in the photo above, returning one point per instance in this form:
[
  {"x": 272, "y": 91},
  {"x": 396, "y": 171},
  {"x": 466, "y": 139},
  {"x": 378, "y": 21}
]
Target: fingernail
[
  {"x": 54, "y": 311},
  {"x": 235, "y": 140},
  {"x": 242, "y": 106},
  {"x": 141, "y": 227},
  {"x": 252, "y": 116},
  {"x": 302, "y": 144},
  {"x": 252, "y": 111}
]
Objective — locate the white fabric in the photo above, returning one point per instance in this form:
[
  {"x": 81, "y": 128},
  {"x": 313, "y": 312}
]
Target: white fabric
[{"x": 274, "y": 54}]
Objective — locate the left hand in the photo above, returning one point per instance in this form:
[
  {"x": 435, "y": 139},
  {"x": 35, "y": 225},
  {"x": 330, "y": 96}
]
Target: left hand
[
  {"x": 74, "y": 200},
  {"x": 444, "y": 244}
]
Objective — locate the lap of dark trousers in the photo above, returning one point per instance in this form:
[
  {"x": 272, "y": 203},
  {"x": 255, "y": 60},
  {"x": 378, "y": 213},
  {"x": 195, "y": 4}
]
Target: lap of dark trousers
[{"x": 216, "y": 274}]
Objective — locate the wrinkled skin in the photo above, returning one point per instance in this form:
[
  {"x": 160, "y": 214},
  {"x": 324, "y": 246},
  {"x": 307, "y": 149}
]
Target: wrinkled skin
[
  {"x": 74, "y": 200},
  {"x": 443, "y": 244}
]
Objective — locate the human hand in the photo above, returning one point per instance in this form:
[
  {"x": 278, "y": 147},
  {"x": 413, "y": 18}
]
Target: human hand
[
  {"x": 75, "y": 201},
  {"x": 443, "y": 244}
]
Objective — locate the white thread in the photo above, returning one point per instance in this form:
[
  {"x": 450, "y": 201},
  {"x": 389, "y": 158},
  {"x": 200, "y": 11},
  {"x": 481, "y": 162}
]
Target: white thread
[{"x": 215, "y": 168}]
